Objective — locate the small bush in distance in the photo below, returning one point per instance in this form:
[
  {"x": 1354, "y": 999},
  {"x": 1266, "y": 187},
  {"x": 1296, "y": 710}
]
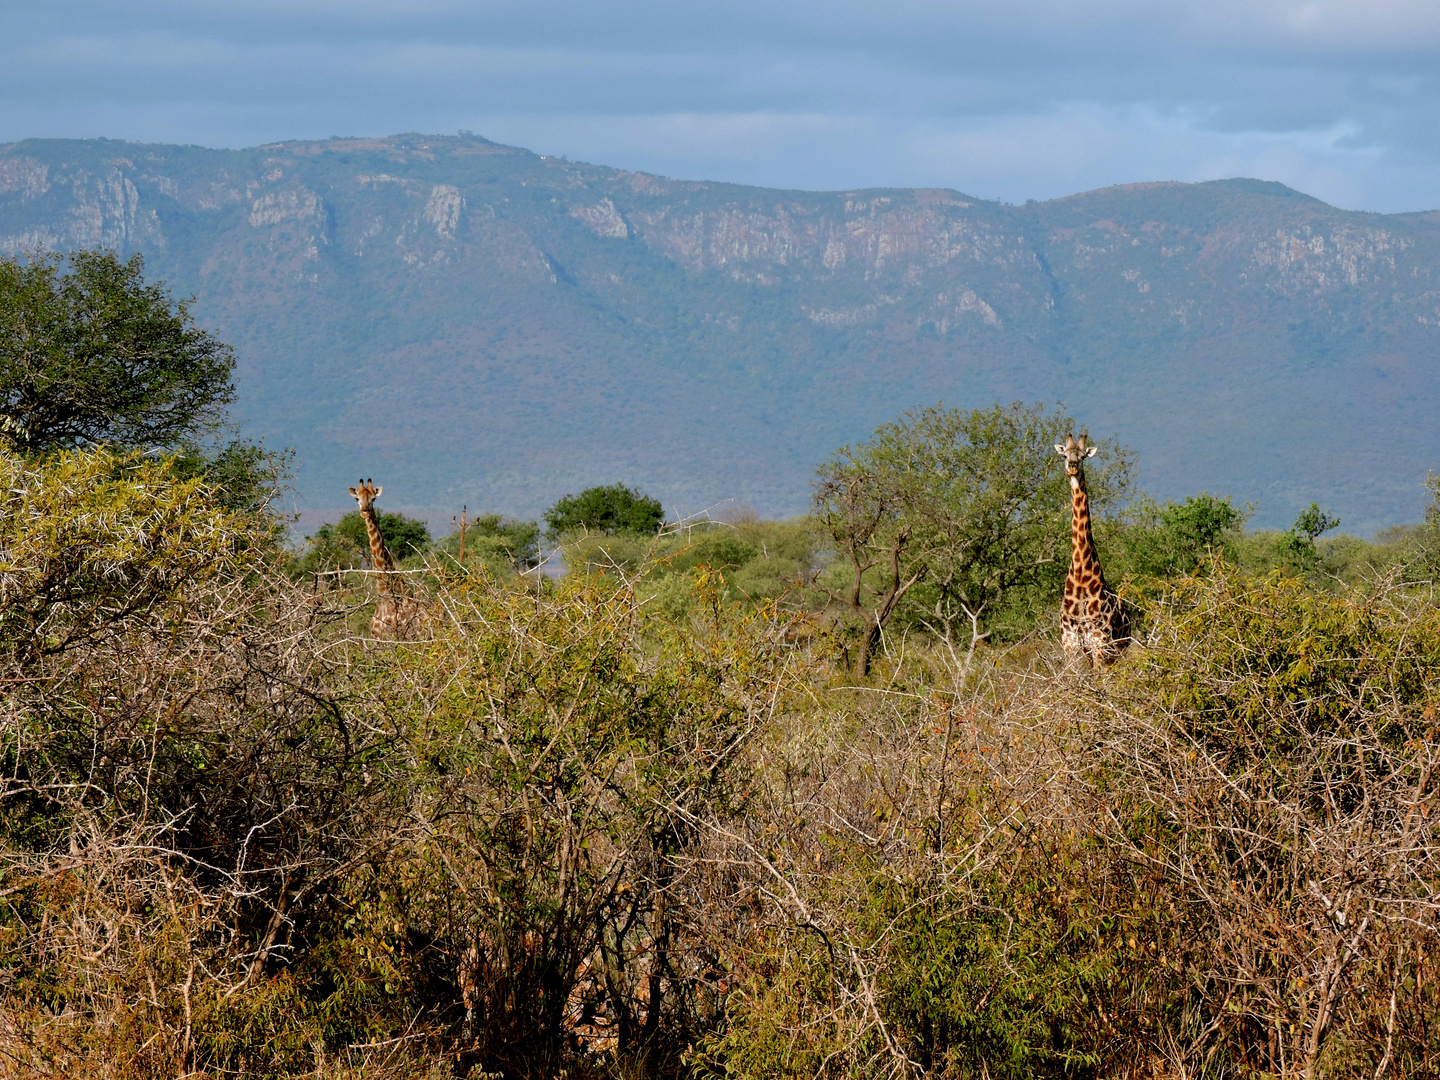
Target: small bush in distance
[
  {"x": 612, "y": 509},
  {"x": 499, "y": 542}
]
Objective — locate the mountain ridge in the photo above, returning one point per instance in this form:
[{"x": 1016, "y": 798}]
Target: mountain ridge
[{"x": 480, "y": 324}]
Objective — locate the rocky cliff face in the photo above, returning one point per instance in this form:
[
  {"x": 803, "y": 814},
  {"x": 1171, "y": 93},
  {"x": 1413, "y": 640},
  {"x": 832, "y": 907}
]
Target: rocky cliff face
[{"x": 479, "y": 324}]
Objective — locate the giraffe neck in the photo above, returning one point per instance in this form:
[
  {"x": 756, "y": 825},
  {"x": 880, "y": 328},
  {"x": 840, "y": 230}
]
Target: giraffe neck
[
  {"x": 379, "y": 554},
  {"x": 1083, "y": 560}
]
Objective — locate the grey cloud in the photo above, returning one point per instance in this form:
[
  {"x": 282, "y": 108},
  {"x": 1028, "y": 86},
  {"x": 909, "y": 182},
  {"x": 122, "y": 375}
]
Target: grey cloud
[{"x": 824, "y": 94}]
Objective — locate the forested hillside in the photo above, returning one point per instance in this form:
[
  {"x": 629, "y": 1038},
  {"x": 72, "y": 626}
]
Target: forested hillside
[{"x": 473, "y": 323}]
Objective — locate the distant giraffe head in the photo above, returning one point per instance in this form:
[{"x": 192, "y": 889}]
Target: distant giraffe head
[
  {"x": 1075, "y": 452},
  {"x": 380, "y": 556},
  {"x": 366, "y": 494}
]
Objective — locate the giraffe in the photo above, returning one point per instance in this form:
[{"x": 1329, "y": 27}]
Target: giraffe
[
  {"x": 1093, "y": 621},
  {"x": 394, "y": 612}
]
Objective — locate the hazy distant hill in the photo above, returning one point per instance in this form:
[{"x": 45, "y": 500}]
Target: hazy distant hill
[{"x": 469, "y": 322}]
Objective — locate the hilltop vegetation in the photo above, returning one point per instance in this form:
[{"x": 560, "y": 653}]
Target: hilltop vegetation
[{"x": 487, "y": 327}]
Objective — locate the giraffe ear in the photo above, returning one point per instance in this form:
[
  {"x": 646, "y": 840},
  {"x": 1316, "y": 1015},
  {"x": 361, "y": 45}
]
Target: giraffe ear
[
  {"x": 378, "y": 490},
  {"x": 1092, "y": 451},
  {"x": 354, "y": 494},
  {"x": 1060, "y": 449}
]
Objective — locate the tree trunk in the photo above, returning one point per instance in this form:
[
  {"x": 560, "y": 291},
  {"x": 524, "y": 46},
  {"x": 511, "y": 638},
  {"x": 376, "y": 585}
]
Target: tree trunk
[
  {"x": 889, "y": 599},
  {"x": 869, "y": 640}
]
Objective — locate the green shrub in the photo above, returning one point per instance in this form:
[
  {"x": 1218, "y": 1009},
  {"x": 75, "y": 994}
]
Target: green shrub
[
  {"x": 503, "y": 544},
  {"x": 609, "y": 510},
  {"x": 1176, "y": 539}
]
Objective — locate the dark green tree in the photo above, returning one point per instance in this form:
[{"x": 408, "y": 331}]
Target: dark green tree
[
  {"x": 1179, "y": 538},
  {"x": 611, "y": 509},
  {"x": 1297, "y": 545},
  {"x": 96, "y": 355},
  {"x": 403, "y": 536}
]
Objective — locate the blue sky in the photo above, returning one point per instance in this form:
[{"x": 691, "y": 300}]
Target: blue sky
[{"x": 1010, "y": 99}]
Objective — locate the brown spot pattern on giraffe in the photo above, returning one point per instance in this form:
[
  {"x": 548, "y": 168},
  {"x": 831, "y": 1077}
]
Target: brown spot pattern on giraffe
[{"x": 1093, "y": 621}]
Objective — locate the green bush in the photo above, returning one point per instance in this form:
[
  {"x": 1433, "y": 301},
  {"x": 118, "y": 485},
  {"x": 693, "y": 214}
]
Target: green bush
[
  {"x": 187, "y": 797},
  {"x": 1176, "y": 539},
  {"x": 609, "y": 510},
  {"x": 404, "y": 537},
  {"x": 504, "y": 544}
]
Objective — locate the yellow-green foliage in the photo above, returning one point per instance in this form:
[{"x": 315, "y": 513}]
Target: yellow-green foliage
[
  {"x": 1278, "y": 744},
  {"x": 1236, "y": 651},
  {"x": 177, "y": 776},
  {"x": 566, "y": 747},
  {"x": 631, "y": 823},
  {"x": 756, "y": 561},
  {"x": 91, "y": 538}
]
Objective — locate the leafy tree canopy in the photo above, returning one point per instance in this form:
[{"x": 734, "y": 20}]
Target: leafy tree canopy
[
  {"x": 1180, "y": 538},
  {"x": 953, "y": 511},
  {"x": 95, "y": 355},
  {"x": 611, "y": 509},
  {"x": 404, "y": 536}
]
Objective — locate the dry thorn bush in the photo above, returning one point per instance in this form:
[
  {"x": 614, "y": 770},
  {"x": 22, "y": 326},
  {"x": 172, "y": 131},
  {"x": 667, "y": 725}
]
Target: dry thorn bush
[{"x": 563, "y": 832}]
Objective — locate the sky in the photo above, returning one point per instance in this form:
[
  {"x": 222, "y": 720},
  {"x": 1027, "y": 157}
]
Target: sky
[{"x": 1007, "y": 99}]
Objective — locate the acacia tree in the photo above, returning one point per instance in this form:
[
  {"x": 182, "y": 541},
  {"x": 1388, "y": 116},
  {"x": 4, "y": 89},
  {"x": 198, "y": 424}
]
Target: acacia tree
[
  {"x": 952, "y": 511},
  {"x": 861, "y": 509},
  {"x": 96, "y": 355},
  {"x": 612, "y": 509}
]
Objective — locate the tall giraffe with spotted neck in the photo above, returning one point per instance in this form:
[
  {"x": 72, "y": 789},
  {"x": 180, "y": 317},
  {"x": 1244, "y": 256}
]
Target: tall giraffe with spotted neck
[
  {"x": 394, "y": 612},
  {"x": 1093, "y": 621}
]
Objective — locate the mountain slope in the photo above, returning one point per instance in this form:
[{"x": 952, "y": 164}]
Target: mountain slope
[{"x": 469, "y": 322}]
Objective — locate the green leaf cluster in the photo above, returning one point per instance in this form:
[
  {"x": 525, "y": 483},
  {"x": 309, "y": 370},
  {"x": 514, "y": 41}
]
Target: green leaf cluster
[
  {"x": 504, "y": 544},
  {"x": 95, "y": 355},
  {"x": 612, "y": 509},
  {"x": 1176, "y": 539}
]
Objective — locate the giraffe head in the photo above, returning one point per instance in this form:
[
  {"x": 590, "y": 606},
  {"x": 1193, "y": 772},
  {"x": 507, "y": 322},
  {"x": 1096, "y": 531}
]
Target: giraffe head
[
  {"x": 366, "y": 494},
  {"x": 1075, "y": 454}
]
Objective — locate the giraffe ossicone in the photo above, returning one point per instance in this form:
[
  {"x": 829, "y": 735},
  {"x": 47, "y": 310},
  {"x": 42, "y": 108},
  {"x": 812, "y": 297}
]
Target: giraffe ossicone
[{"x": 1093, "y": 620}]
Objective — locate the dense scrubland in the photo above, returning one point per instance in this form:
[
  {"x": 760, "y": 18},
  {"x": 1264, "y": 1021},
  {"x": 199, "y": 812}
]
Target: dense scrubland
[
  {"x": 649, "y": 819},
  {"x": 731, "y": 798}
]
